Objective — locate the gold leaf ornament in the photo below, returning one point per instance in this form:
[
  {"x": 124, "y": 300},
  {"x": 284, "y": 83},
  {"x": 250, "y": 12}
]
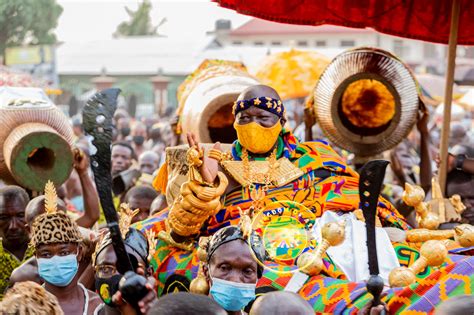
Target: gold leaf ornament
[
  {"x": 152, "y": 242},
  {"x": 50, "y": 198},
  {"x": 125, "y": 218}
]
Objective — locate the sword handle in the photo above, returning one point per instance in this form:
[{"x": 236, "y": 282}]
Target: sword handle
[{"x": 375, "y": 286}]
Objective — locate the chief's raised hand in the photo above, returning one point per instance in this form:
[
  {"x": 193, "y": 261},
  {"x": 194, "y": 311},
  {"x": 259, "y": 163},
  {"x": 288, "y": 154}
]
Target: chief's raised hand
[{"x": 209, "y": 167}]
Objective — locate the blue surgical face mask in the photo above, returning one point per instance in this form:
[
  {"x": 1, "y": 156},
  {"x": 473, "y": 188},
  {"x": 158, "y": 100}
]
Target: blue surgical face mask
[
  {"x": 232, "y": 296},
  {"x": 58, "y": 270}
]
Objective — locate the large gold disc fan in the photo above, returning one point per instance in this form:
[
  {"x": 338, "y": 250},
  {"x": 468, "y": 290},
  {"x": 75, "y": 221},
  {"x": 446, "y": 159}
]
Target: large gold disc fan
[{"x": 366, "y": 101}]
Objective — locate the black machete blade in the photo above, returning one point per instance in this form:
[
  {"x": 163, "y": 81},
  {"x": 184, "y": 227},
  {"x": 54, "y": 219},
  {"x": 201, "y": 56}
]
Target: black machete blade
[
  {"x": 370, "y": 185},
  {"x": 97, "y": 120}
]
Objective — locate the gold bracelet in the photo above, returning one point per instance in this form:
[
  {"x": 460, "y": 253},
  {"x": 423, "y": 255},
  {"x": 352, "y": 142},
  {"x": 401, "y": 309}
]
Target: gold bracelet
[
  {"x": 189, "y": 221},
  {"x": 200, "y": 204},
  {"x": 187, "y": 217},
  {"x": 215, "y": 154},
  {"x": 186, "y": 205},
  {"x": 223, "y": 182},
  {"x": 202, "y": 192},
  {"x": 184, "y": 230},
  {"x": 174, "y": 220},
  {"x": 165, "y": 236},
  {"x": 185, "y": 189},
  {"x": 206, "y": 193}
]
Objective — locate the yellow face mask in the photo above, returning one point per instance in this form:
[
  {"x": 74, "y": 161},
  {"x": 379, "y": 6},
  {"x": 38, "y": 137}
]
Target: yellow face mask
[{"x": 256, "y": 138}]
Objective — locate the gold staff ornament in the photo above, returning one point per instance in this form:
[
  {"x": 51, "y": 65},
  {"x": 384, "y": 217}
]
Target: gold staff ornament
[
  {"x": 432, "y": 253},
  {"x": 413, "y": 196},
  {"x": 333, "y": 234}
]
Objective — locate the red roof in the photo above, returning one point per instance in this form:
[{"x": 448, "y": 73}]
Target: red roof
[{"x": 263, "y": 27}]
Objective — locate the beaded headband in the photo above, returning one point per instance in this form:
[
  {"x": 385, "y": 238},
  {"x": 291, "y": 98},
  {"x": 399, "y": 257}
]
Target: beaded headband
[{"x": 269, "y": 104}]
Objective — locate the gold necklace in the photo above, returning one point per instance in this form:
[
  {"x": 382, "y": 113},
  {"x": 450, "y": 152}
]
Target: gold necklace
[{"x": 251, "y": 176}]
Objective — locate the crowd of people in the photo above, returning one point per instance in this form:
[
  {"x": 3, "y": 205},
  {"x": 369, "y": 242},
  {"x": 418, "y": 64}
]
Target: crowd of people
[{"x": 57, "y": 257}]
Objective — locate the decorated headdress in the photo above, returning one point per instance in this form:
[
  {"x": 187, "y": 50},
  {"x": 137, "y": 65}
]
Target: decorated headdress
[
  {"x": 141, "y": 244},
  {"x": 53, "y": 226},
  {"x": 274, "y": 106}
]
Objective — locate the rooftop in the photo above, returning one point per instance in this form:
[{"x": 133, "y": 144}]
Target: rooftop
[
  {"x": 149, "y": 55},
  {"x": 263, "y": 27},
  {"x": 131, "y": 55}
]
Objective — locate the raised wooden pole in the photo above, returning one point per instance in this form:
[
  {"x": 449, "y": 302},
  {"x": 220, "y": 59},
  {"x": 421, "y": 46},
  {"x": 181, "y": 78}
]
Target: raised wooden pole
[{"x": 448, "y": 95}]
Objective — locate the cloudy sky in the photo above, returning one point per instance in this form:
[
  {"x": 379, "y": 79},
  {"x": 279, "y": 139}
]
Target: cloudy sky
[{"x": 84, "y": 20}]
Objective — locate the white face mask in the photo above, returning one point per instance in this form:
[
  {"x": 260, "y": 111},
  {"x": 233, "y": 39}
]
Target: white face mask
[
  {"x": 58, "y": 270},
  {"x": 232, "y": 296}
]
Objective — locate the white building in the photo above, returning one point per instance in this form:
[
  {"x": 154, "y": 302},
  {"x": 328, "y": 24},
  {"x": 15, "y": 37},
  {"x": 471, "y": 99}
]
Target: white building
[{"x": 262, "y": 33}]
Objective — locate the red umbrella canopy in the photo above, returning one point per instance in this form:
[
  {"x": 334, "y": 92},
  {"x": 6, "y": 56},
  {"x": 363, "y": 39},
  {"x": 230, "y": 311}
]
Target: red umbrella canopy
[{"x": 427, "y": 20}]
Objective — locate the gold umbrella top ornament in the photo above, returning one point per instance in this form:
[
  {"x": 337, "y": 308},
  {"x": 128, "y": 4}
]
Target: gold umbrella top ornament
[
  {"x": 366, "y": 101},
  {"x": 293, "y": 73}
]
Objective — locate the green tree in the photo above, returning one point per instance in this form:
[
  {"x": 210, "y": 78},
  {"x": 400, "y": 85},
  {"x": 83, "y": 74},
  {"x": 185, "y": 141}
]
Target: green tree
[
  {"x": 140, "y": 23},
  {"x": 30, "y": 22}
]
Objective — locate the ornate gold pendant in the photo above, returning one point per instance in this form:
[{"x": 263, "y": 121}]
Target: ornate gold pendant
[{"x": 285, "y": 172}]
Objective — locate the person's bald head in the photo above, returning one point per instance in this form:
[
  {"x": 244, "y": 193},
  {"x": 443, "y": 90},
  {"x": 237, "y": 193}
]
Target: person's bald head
[
  {"x": 158, "y": 204},
  {"x": 458, "y": 134},
  {"x": 259, "y": 90},
  {"x": 148, "y": 162},
  {"x": 281, "y": 303},
  {"x": 36, "y": 207},
  {"x": 138, "y": 128},
  {"x": 184, "y": 303},
  {"x": 262, "y": 116},
  {"x": 120, "y": 113}
]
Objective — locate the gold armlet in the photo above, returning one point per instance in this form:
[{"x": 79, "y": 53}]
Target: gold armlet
[
  {"x": 176, "y": 218},
  {"x": 188, "y": 214},
  {"x": 188, "y": 217},
  {"x": 186, "y": 205},
  {"x": 165, "y": 236},
  {"x": 178, "y": 225},
  {"x": 195, "y": 202},
  {"x": 223, "y": 182},
  {"x": 202, "y": 192},
  {"x": 206, "y": 193},
  {"x": 219, "y": 155}
]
